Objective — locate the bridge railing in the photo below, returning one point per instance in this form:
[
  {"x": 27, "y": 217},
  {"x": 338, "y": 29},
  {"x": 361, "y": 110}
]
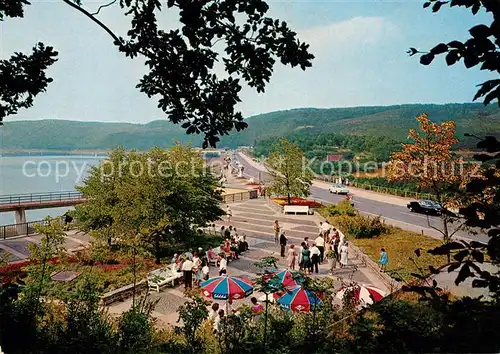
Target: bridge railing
[
  {"x": 26, "y": 228},
  {"x": 39, "y": 197}
]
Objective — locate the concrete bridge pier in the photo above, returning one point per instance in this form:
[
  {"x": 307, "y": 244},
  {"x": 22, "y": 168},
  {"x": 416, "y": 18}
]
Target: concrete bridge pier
[{"x": 20, "y": 220}]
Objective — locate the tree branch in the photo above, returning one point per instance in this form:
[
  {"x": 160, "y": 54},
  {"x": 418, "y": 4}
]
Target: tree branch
[
  {"x": 433, "y": 227},
  {"x": 89, "y": 15},
  {"x": 103, "y": 6}
]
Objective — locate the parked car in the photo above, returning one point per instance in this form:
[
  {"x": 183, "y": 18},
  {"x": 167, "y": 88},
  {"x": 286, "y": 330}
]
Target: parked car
[
  {"x": 338, "y": 189},
  {"x": 429, "y": 207}
]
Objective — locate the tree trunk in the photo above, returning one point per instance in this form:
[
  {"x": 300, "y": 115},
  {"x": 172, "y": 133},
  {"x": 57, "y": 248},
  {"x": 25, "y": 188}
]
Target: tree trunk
[
  {"x": 157, "y": 248},
  {"x": 446, "y": 236},
  {"x": 289, "y": 199}
]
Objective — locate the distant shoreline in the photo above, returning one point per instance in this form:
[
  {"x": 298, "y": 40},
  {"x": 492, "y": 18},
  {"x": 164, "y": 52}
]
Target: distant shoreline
[{"x": 24, "y": 153}]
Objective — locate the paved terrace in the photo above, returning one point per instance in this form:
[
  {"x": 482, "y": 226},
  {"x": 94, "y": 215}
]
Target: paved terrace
[{"x": 255, "y": 218}]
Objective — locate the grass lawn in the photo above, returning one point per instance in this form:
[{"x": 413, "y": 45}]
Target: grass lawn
[{"x": 400, "y": 246}]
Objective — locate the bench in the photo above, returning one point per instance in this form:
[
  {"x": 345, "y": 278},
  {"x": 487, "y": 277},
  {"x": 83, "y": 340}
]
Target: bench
[
  {"x": 296, "y": 209},
  {"x": 160, "y": 277}
]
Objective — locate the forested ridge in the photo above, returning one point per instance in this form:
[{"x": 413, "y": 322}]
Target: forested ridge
[{"x": 391, "y": 121}]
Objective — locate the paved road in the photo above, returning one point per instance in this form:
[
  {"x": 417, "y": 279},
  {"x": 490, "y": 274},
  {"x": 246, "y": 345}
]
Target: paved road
[{"x": 394, "y": 214}]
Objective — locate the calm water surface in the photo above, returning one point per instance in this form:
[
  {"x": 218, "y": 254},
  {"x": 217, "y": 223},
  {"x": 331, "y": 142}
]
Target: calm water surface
[{"x": 35, "y": 174}]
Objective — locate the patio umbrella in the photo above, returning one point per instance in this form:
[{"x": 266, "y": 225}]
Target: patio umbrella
[
  {"x": 363, "y": 294},
  {"x": 286, "y": 278},
  {"x": 226, "y": 288},
  {"x": 299, "y": 299}
]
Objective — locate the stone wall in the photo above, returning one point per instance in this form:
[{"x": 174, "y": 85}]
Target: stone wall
[
  {"x": 123, "y": 293},
  {"x": 240, "y": 197}
]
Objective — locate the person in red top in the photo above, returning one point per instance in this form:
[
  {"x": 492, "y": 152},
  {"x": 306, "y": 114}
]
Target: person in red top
[{"x": 257, "y": 309}]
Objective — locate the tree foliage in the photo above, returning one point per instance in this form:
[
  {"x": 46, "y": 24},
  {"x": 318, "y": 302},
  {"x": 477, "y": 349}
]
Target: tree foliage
[
  {"x": 182, "y": 60},
  {"x": 482, "y": 48},
  {"x": 287, "y": 167},
  {"x": 157, "y": 195},
  {"x": 429, "y": 159},
  {"x": 23, "y": 77}
]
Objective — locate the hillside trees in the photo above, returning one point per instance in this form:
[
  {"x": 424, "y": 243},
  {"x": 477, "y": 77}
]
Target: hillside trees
[
  {"x": 181, "y": 61},
  {"x": 290, "y": 176},
  {"x": 157, "y": 195}
]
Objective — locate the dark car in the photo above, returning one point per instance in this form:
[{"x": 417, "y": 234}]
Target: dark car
[{"x": 428, "y": 207}]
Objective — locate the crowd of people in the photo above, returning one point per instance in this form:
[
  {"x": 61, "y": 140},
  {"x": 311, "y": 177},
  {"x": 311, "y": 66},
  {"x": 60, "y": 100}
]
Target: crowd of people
[
  {"x": 216, "y": 314},
  {"x": 330, "y": 242}
]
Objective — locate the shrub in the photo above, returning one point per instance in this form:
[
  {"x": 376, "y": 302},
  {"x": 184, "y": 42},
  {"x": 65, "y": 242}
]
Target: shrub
[
  {"x": 343, "y": 208},
  {"x": 361, "y": 226}
]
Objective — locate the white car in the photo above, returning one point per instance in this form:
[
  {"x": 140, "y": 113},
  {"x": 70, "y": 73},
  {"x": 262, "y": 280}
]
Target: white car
[{"x": 338, "y": 189}]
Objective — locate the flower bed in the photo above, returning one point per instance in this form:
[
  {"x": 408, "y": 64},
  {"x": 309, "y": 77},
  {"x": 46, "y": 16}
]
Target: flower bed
[
  {"x": 13, "y": 271},
  {"x": 297, "y": 201}
]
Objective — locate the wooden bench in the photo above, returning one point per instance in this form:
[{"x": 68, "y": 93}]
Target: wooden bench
[
  {"x": 296, "y": 209},
  {"x": 160, "y": 277}
]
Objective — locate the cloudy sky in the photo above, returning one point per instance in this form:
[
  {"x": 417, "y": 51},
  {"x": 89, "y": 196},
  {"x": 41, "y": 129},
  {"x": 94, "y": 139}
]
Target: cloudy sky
[{"x": 359, "y": 47}]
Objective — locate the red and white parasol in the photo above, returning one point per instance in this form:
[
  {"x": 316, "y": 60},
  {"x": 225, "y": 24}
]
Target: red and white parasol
[{"x": 363, "y": 294}]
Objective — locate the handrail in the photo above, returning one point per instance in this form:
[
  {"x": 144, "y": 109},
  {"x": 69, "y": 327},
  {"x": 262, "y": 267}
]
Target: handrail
[
  {"x": 39, "y": 197},
  {"x": 24, "y": 229}
]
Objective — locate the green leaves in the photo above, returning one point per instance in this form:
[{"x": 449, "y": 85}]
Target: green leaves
[
  {"x": 155, "y": 195},
  {"x": 291, "y": 176},
  {"x": 480, "y": 31},
  {"x": 182, "y": 62},
  {"x": 426, "y": 59},
  {"x": 23, "y": 77},
  {"x": 439, "y": 49}
]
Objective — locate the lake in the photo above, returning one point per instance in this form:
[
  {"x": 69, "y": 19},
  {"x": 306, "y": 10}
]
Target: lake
[{"x": 35, "y": 174}]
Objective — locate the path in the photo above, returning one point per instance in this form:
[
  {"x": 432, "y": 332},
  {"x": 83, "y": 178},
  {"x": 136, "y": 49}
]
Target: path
[{"x": 255, "y": 218}]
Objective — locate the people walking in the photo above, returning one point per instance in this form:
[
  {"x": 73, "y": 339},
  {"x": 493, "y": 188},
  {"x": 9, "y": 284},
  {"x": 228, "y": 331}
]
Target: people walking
[
  {"x": 283, "y": 240},
  {"x": 326, "y": 229},
  {"x": 187, "y": 271},
  {"x": 332, "y": 259},
  {"x": 383, "y": 259},
  {"x": 320, "y": 243},
  {"x": 222, "y": 264},
  {"x": 229, "y": 213},
  {"x": 292, "y": 257},
  {"x": 197, "y": 268},
  {"x": 315, "y": 254},
  {"x": 344, "y": 255},
  {"x": 276, "y": 231},
  {"x": 306, "y": 258},
  {"x": 336, "y": 246}
]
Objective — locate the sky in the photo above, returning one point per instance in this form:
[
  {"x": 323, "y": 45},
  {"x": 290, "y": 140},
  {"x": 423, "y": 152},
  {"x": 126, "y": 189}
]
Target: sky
[{"x": 360, "y": 49}]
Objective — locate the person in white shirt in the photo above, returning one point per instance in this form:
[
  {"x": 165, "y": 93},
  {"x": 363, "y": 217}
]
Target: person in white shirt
[
  {"x": 315, "y": 253},
  {"x": 342, "y": 237},
  {"x": 187, "y": 270},
  {"x": 320, "y": 243},
  {"x": 212, "y": 314},
  {"x": 197, "y": 268},
  {"x": 217, "y": 322},
  {"x": 205, "y": 271},
  {"x": 326, "y": 229},
  {"x": 222, "y": 264}
]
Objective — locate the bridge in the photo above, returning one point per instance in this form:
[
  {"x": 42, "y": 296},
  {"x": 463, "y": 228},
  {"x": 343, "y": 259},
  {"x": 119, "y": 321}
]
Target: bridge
[{"x": 19, "y": 203}]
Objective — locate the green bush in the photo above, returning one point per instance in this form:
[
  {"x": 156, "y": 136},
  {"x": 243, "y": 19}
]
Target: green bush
[
  {"x": 361, "y": 226},
  {"x": 342, "y": 208}
]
